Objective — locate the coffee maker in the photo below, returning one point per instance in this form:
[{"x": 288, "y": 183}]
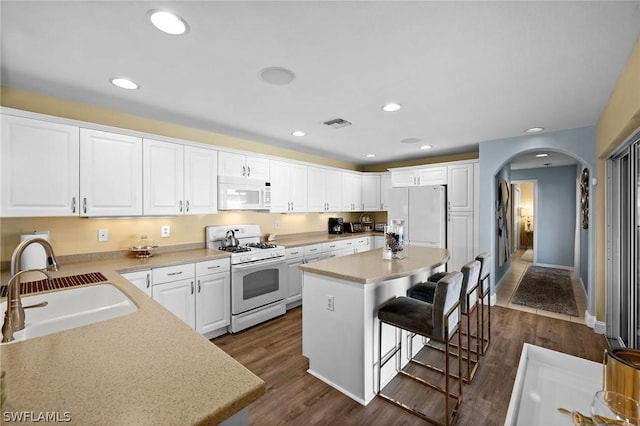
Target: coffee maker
[{"x": 336, "y": 225}]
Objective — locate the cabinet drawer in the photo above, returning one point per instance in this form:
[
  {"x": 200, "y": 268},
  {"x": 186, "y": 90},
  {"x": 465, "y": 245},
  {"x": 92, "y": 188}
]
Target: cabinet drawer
[
  {"x": 312, "y": 250},
  {"x": 292, "y": 253},
  {"x": 335, "y": 245},
  {"x": 173, "y": 273},
  {"x": 212, "y": 266}
]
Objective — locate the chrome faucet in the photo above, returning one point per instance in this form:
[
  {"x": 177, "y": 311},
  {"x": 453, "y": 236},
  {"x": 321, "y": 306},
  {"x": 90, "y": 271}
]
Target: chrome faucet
[
  {"x": 8, "y": 326},
  {"x": 15, "y": 311}
]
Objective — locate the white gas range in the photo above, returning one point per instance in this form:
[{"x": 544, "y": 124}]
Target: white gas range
[{"x": 258, "y": 274}]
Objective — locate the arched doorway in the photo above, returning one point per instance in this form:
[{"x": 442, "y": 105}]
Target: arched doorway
[{"x": 495, "y": 162}]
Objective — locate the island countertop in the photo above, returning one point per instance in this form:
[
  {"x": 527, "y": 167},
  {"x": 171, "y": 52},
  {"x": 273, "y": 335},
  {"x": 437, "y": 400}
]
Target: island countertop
[
  {"x": 144, "y": 368},
  {"x": 369, "y": 267}
]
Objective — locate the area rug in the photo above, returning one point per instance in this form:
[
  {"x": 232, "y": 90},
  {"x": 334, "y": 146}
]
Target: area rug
[
  {"x": 548, "y": 289},
  {"x": 527, "y": 255}
]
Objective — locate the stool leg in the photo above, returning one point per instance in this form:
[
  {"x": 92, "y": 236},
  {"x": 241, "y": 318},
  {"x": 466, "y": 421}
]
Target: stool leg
[{"x": 379, "y": 355}]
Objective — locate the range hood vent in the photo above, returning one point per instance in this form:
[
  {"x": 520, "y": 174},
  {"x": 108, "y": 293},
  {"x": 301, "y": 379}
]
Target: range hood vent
[{"x": 337, "y": 123}]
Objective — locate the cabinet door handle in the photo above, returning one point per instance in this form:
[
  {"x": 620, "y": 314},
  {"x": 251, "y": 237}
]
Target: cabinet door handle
[
  {"x": 187, "y": 206},
  {"x": 148, "y": 280},
  {"x": 192, "y": 289},
  {"x": 84, "y": 205},
  {"x": 180, "y": 206},
  {"x": 244, "y": 171},
  {"x": 199, "y": 287},
  {"x": 174, "y": 273},
  {"x": 418, "y": 180},
  {"x": 73, "y": 205},
  {"x": 248, "y": 170}
]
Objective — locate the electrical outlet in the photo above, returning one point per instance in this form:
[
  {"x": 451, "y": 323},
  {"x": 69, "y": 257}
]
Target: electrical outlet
[
  {"x": 329, "y": 302},
  {"x": 276, "y": 224},
  {"x": 103, "y": 235},
  {"x": 165, "y": 231}
]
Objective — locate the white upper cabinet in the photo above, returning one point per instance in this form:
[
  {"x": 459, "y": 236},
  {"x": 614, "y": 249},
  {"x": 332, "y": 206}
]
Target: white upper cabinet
[
  {"x": 385, "y": 191},
  {"x": 460, "y": 187},
  {"x": 371, "y": 192},
  {"x": 200, "y": 180},
  {"x": 288, "y": 187},
  {"x": 163, "y": 166},
  {"x": 40, "y": 168},
  {"x": 179, "y": 179},
  {"x": 324, "y": 190},
  {"x": 110, "y": 174},
  {"x": 240, "y": 165},
  {"x": 351, "y": 192},
  {"x": 432, "y": 175}
]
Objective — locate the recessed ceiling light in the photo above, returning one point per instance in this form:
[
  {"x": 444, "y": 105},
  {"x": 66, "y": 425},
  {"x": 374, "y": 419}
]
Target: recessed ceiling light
[
  {"x": 297, "y": 133},
  {"x": 391, "y": 107},
  {"x": 542, "y": 155},
  {"x": 534, "y": 130},
  {"x": 168, "y": 22},
  {"x": 426, "y": 147},
  {"x": 410, "y": 140},
  {"x": 370, "y": 155},
  {"x": 124, "y": 83},
  {"x": 277, "y": 75}
]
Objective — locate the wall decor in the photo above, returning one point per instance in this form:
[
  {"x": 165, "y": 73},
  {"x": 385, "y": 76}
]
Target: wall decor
[
  {"x": 584, "y": 197},
  {"x": 502, "y": 214}
]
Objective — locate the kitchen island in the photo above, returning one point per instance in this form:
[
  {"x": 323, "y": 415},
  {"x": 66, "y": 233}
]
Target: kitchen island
[
  {"x": 144, "y": 368},
  {"x": 341, "y": 296}
]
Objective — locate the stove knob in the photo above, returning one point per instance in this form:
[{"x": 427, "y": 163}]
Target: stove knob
[
  {"x": 243, "y": 258},
  {"x": 249, "y": 258}
]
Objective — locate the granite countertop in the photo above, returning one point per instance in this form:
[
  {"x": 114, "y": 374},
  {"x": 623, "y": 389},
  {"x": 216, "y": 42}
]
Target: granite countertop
[
  {"x": 145, "y": 368},
  {"x": 369, "y": 267}
]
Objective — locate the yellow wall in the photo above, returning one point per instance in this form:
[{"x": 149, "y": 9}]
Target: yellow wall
[{"x": 620, "y": 118}]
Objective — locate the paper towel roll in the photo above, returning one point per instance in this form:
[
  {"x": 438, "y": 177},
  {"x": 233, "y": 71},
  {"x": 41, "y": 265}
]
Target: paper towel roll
[{"x": 34, "y": 256}]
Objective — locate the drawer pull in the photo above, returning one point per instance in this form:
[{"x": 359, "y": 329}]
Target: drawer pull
[
  {"x": 213, "y": 267},
  {"x": 174, "y": 273}
]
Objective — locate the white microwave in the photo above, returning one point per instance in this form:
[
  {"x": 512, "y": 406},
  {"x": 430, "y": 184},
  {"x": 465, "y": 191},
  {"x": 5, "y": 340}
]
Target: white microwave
[{"x": 243, "y": 194}]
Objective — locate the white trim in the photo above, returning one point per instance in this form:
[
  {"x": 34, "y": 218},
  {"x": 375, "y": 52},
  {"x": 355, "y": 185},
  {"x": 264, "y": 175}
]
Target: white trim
[{"x": 548, "y": 265}]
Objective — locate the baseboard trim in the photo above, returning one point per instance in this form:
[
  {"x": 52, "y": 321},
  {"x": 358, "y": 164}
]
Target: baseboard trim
[
  {"x": 599, "y": 327},
  {"x": 547, "y": 265}
]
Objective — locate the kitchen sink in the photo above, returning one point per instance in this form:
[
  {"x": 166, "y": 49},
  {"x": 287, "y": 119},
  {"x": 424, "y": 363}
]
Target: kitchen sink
[{"x": 72, "y": 308}]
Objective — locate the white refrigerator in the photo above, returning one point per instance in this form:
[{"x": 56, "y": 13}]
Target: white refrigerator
[{"x": 428, "y": 216}]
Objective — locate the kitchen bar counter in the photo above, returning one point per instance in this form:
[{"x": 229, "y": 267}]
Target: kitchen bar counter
[
  {"x": 341, "y": 297},
  {"x": 293, "y": 240},
  {"x": 144, "y": 368}
]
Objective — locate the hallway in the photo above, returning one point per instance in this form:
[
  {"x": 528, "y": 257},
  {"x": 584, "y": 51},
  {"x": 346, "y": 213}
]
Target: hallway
[{"x": 510, "y": 283}]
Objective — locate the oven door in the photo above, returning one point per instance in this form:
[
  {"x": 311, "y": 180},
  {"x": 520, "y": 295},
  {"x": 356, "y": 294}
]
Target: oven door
[{"x": 257, "y": 284}]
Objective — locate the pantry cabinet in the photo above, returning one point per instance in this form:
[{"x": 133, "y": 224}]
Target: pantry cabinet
[
  {"x": 178, "y": 179},
  {"x": 110, "y": 174},
  {"x": 460, "y": 187},
  {"x": 460, "y": 239},
  {"x": 40, "y": 168},
  {"x": 240, "y": 165},
  {"x": 324, "y": 189},
  {"x": 288, "y": 187}
]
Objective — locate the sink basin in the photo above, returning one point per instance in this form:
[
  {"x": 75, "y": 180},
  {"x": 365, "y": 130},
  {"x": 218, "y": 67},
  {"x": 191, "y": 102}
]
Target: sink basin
[{"x": 71, "y": 308}]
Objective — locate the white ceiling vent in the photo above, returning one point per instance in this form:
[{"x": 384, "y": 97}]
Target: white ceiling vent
[{"x": 337, "y": 123}]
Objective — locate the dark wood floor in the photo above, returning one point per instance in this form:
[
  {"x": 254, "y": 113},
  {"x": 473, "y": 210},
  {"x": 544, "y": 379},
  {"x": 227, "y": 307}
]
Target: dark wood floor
[{"x": 273, "y": 351}]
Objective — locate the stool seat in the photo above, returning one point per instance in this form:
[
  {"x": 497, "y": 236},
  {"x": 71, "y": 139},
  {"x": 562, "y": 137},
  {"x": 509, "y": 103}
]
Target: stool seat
[{"x": 438, "y": 321}]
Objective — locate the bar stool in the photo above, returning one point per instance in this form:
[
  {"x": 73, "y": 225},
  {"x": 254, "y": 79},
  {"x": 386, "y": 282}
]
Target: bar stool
[
  {"x": 469, "y": 298},
  {"x": 484, "y": 285},
  {"x": 438, "y": 321}
]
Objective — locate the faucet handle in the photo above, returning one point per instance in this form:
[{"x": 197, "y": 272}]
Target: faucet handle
[{"x": 37, "y": 305}]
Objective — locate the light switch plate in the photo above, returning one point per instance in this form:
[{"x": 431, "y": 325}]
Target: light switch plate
[{"x": 103, "y": 235}]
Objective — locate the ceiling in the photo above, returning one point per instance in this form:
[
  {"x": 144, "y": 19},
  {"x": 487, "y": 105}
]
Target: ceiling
[{"x": 464, "y": 72}]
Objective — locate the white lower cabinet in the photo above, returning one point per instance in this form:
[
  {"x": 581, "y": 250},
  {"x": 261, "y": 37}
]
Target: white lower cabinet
[
  {"x": 141, "y": 279},
  {"x": 199, "y": 294},
  {"x": 213, "y": 297},
  {"x": 294, "y": 258},
  {"x": 460, "y": 239}
]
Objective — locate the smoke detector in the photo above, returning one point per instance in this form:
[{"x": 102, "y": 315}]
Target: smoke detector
[{"x": 337, "y": 123}]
